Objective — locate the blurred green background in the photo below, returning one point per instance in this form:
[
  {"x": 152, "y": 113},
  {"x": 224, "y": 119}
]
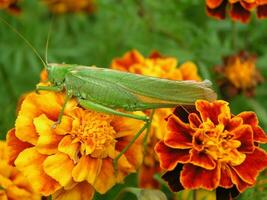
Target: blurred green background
[{"x": 175, "y": 28}]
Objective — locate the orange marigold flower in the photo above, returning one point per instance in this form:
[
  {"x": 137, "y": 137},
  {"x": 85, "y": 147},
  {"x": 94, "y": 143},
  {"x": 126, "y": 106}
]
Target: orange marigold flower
[
  {"x": 240, "y": 10},
  {"x": 239, "y": 74},
  {"x": 211, "y": 148},
  {"x": 75, "y": 159},
  {"x": 158, "y": 66},
  {"x": 10, "y": 5},
  {"x": 13, "y": 185},
  {"x": 71, "y": 6}
]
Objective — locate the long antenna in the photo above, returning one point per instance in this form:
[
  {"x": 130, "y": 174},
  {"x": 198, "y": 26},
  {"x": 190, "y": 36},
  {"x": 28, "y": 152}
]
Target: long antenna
[
  {"x": 25, "y": 40},
  {"x": 47, "y": 40}
]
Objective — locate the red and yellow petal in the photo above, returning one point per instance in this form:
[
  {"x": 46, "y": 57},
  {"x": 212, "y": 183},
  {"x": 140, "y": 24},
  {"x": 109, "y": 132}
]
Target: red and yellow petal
[
  {"x": 47, "y": 142},
  {"x": 59, "y": 167},
  {"x": 239, "y": 13},
  {"x": 262, "y": 11},
  {"x": 67, "y": 146},
  {"x": 179, "y": 134},
  {"x": 30, "y": 162},
  {"x": 218, "y": 12},
  {"x": 81, "y": 191},
  {"x": 213, "y": 110},
  {"x": 201, "y": 159},
  {"x": 87, "y": 169},
  {"x": 203, "y": 178},
  {"x": 106, "y": 178},
  {"x": 254, "y": 163},
  {"x": 15, "y": 146},
  {"x": 213, "y": 3},
  {"x": 169, "y": 157},
  {"x": 225, "y": 180},
  {"x": 244, "y": 134}
]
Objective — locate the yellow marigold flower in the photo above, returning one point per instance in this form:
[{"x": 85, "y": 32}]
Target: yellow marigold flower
[
  {"x": 13, "y": 185},
  {"x": 10, "y": 5},
  {"x": 64, "y": 6},
  {"x": 239, "y": 74},
  {"x": 75, "y": 159},
  {"x": 158, "y": 66}
]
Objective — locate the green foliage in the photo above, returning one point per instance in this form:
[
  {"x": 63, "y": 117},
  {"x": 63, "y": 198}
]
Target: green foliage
[{"x": 175, "y": 28}]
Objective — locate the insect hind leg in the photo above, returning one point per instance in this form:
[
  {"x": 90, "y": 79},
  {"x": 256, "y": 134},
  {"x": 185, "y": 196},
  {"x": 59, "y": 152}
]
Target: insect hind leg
[{"x": 100, "y": 108}]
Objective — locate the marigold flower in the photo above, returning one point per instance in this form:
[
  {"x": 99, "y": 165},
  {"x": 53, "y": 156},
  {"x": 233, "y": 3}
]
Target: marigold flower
[
  {"x": 71, "y": 6},
  {"x": 211, "y": 148},
  {"x": 158, "y": 66},
  {"x": 13, "y": 185},
  {"x": 10, "y": 5},
  {"x": 75, "y": 159},
  {"x": 240, "y": 10},
  {"x": 239, "y": 74}
]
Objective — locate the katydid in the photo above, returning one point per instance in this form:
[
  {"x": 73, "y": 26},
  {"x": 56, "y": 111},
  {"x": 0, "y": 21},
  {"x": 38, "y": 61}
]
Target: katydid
[{"x": 112, "y": 92}]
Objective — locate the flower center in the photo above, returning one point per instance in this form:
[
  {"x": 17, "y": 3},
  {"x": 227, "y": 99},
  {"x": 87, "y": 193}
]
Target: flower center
[
  {"x": 219, "y": 144},
  {"x": 95, "y": 133}
]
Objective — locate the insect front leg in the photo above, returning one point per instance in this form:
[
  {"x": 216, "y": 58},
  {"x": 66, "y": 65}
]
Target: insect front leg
[
  {"x": 48, "y": 88},
  {"x": 100, "y": 108},
  {"x": 67, "y": 98}
]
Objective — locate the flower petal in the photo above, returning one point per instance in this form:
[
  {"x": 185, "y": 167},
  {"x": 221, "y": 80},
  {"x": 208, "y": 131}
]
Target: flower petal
[
  {"x": 169, "y": 157},
  {"x": 131, "y": 154},
  {"x": 252, "y": 166},
  {"x": 173, "y": 178},
  {"x": 68, "y": 147},
  {"x": 244, "y": 134},
  {"x": 262, "y": 11},
  {"x": 194, "y": 120},
  {"x": 225, "y": 181},
  {"x": 240, "y": 184},
  {"x": 213, "y": 111},
  {"x": 201, "y": 159},
  {"x": 81, "y": 191},
  {"x": 238, "y": 13},
  {"x": 206, "y": 179},
  {"x": 30, "y": 162},
  {"x": 87, "y": 169},
  {"x": 48, "y": 141},
  {"x": 59, "y": 167},
  {"x": 106, "y": 178},
  {"x": 15, "y": 146},
  {"x": 213, "y": 3},
  {"x": 218, "y": 12},
  {"x": 179, "y": 134}
]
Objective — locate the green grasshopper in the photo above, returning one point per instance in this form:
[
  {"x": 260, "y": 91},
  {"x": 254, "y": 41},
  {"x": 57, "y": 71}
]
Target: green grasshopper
[{"x": 112, "y": 92}]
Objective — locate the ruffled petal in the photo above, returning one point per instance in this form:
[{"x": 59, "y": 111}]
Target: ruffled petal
[
  {"x": 47, "y": 142},
  {"x": 226, "y": 181},
  {"x": 252, "y": 166},
  {"x": 131, "y": 154},
  {"x": 238, "y": 13},
  {"x": 15, "y": 146},
  {"x": 67, "y": 146},
  {"x": 206, "y": 179},
  {"x": 59, "y": 167},
  {"x": 179, "y": 134},
  {"x": 106, "y": 178},
  {"x": 218, "y": 12},
  {"x": 244, "y": 135},
  {"x": 213, "y": 3},
  {"x": 169, "y": 157},
  {"x": 194, "y": 120},
  {"x": 81, "y": 191},
  {"x": 30, "y": 162},
  {"x": 87, "y": 169},
  {"x": 213, "y": 111},
  {"x": 201, "y": 159},
  {"x": 240, "y": 184},
  {"x": 173, "y": 178},
  {"x": 262, "y": 11}
]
